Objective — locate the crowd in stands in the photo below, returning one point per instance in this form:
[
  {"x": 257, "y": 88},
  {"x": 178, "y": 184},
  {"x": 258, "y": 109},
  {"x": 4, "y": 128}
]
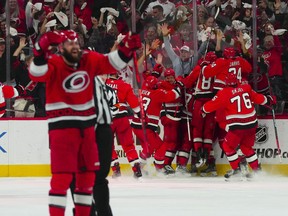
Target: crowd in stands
[{"x": 173, "y": 33}]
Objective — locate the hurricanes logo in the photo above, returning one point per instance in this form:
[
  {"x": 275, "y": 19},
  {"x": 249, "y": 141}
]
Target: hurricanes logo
[
  {"x": 261, "y": 134},
  {"x": 76, "y": 82}
]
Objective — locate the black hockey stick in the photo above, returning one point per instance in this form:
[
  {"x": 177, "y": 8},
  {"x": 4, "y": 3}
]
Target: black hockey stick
[{"x": 274, "y": 122}]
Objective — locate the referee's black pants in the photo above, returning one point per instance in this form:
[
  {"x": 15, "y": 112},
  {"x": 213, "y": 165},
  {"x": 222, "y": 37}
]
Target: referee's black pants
[{"x": 104, "y": 139}]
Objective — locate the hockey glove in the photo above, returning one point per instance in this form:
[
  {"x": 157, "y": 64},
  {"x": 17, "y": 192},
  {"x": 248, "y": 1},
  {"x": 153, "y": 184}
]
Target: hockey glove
[
  {"x": 271, "y": 100},
  {"x": 204, "y": 62},
  {"x": 42, "y": 46},
  {"x": 129, "y": 44}
]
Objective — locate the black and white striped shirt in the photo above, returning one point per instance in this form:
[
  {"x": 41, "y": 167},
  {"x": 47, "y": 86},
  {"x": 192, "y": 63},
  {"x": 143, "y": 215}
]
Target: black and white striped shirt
[{"x": 105, "y": 99}]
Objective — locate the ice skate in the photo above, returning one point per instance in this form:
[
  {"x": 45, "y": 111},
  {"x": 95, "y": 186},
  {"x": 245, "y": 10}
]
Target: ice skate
[
  {"x": 116, "y": 170},
  {"x": 137, "y": 170},
  {"x": 243, "y": 165},
  {"x": 166, "y": 171},
  {"x": 182, "y": 171},
  {"x": 143, "y": 167},
  {"x": 194, "y": 170},
  {"x": 210, "y": 171},
  {"x": 234, "y": 175},
  {"x": 200, "y": 160},
  {"x": 250, "y": 176}
]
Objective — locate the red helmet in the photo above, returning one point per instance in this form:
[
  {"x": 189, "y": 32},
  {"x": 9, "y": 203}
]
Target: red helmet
[
  {"x": 150, "y": 83},
  {"x": 231, "y": 79},
  {"x": 169, "y": 72},
  {"x": 145, "y": 74},
  {"x": 70, "y": 35},
  {"x": 229, "y": 52},
  {"x": 210, "y": 57},
  {"x": 157, "y": 70}
]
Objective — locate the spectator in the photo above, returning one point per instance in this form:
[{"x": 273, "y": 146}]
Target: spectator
[
  {"x": 272, "y": 57},
  {"x": 186, "y": 61},
  {"x": 35, "y": 91},
  {"x": 17, "y": 16},
  {"x": 13, "y": 59},
  {"x": 182, "y": 37},
  {"x": 83, "y": 12},
  {"x": 168, "y": 7}
]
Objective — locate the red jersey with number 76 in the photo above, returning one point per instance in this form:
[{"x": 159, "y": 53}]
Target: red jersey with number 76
[{"x": 238, "y": 104}]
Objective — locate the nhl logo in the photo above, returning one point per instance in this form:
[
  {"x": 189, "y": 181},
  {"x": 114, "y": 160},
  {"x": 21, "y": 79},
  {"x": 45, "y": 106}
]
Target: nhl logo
[{"x": 261, "y": 134}]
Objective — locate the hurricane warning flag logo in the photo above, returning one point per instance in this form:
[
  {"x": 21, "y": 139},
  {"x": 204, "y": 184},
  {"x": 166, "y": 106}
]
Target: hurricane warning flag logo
[{"x": 261, "y": 134}]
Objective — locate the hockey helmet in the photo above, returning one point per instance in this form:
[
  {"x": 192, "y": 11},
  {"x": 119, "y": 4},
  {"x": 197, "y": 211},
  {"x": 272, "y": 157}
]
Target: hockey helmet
[
  {"x": 150, "y": 83},
  {"x": 210, "y": 57},
  {"x": 232, "y": 79},
  {"x": 169, "y": 72},
  {"x": 229, "y": 52},
  {"x": 157, "y": 70},
  {"x": 69, "y": 35}
]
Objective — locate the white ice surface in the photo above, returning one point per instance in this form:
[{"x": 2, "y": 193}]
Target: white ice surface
[{"x": 195, "y": 196}]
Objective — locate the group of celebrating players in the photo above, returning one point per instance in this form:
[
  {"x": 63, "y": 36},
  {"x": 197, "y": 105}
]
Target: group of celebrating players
[{"x": 214, "y": 102}]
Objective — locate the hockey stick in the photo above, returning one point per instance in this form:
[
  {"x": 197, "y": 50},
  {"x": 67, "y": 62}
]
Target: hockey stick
[
  {"x": 138, "y": 81},
  {"x": 274, "y": 122},
  {"x": 187, "y": 116}
]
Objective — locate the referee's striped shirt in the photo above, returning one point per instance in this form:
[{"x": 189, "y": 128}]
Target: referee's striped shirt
[{"x": 105, "y": 99}]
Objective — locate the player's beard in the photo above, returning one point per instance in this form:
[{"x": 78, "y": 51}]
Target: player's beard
[{"x": 72, "y": 58}]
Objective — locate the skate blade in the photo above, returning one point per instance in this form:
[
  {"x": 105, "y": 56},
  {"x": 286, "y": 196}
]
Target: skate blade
[{"x": 211, "y": 174}]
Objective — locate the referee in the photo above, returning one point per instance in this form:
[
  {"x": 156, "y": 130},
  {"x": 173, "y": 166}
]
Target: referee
[{"x": 105, "y": 99}]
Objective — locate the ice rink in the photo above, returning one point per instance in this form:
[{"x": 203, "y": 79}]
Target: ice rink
[{"x": 154, "y": 196}]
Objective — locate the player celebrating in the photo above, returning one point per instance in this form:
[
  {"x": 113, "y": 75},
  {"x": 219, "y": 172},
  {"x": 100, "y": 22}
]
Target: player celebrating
[
  {"x": 152, "y": 99},
  {"x": 237, "y": 102},
  {"x": 170, "y": 118},
  {"x": 121, "y": 125},
  {"x": 71, "y": 111},
  {"x": 230, "y": 63}
]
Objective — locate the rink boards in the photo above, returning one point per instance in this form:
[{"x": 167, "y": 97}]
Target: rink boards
[{"x": 24, "y": 148}]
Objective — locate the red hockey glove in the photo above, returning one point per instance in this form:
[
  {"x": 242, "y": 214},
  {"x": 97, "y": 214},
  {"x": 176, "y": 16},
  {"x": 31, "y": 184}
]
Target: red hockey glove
[
  {"x": 271, "y": 100},
  {"x": 20, "y": 89},
  {"x": 204, "y": 62},
  {"x": 48, "y": 39},
  {"x": 129, "y": 44}
]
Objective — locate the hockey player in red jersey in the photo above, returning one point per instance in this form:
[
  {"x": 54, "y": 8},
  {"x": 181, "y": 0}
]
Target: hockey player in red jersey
[
  {"x": 152, "y": 99},
  {"x": 229, "y": 63},
  {"x": 121, "y": 125},
  {"x": 237, "y": 102},
  {"x": 157, "y": 70},
  {"x": 170, "y": 118},
  {"x": 71, "y": 111},
  {"x": 186, "y": 144},
  {"x": 203, "y": 128}
]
